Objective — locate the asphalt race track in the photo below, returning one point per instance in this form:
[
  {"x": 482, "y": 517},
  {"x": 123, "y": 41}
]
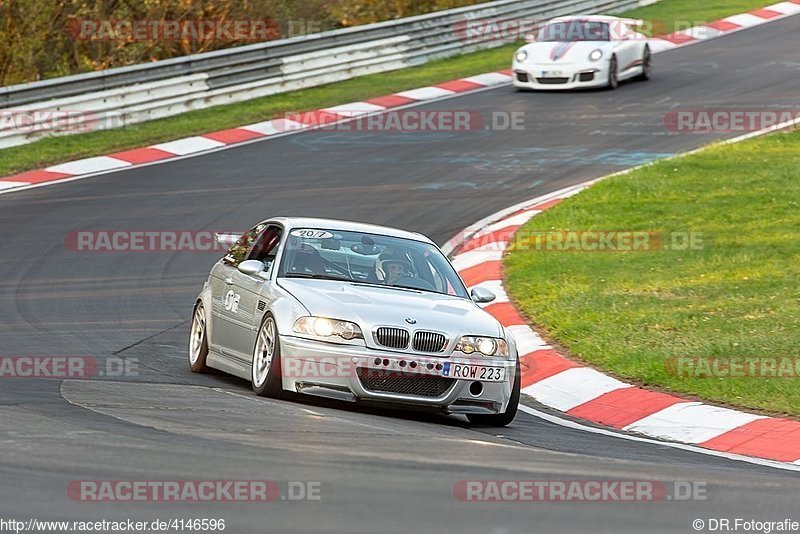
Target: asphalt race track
[{"x": 380, "y": 472}]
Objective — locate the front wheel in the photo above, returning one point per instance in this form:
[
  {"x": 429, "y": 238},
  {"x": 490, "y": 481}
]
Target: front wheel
[
  {"x": 198, "y": 341},
  {"x": 266, "y": 368},
  {"x": 613, "y": 75},
  {"x": 505, "y": 418}
]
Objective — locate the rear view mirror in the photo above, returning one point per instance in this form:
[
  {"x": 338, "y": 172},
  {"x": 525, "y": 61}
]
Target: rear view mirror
[
  {"x": 251, "y": 267},
  {"x": 481, "y": 295}
]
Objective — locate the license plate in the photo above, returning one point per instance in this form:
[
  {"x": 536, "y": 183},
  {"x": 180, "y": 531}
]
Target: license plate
[
  {"x": 552, "y": 74},
  {"x": 474, "y": 372}
]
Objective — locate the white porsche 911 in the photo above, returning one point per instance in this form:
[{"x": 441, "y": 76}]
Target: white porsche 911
[{"x": 581, "y": 52}]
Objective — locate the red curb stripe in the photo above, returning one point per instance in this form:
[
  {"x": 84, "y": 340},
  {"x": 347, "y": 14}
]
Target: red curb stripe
[
  {"x": 774, "y": 439},
  {"x": 506, "y": 313},
  {"x": 232, "y": 136},
  {"x": 142, "y": 155},
  {"x": 36, "y": 177},
  {"x": 545, "y": 205},
  {"x": 765, "y": 13},
  {"x": 483, "y": 272},
  {"x": 315, "y": 117},
  {"x": 678, "y": 38},
  {"x": 510, "y": 72},
  {"x": 503, "y": 235},
  {"x": 723, "y": 25},
  {"x": 391, "y": 101},
  {"x": 543, "y": 364},
  {"x": 621, "y": 407},
  {"x": 459, "y": 86}
]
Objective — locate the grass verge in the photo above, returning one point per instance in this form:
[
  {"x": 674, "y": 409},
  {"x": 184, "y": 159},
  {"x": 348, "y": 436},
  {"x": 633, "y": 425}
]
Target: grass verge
[
  {"x": 673, "y": 15},
  {"x": 632, "y": 313},
  {"x": 59, "y": 149}
]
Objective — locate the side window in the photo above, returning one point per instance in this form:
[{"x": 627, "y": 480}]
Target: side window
[
  {"x": 266, "y": 247},
  {"x": 238, "y": 252}
]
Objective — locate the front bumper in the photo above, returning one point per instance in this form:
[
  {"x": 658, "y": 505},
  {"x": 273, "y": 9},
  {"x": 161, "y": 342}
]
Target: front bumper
[
  {"x": 543, "y": 77},
  {"x": 346, "y": 372}
]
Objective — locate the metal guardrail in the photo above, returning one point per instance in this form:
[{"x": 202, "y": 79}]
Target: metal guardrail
[{"x": 127, "y": 95}]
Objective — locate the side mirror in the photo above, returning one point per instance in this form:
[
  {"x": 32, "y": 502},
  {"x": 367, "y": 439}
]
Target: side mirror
[
  {"x": 251, "y": 267},
  {"x": 481, "y": 295}
]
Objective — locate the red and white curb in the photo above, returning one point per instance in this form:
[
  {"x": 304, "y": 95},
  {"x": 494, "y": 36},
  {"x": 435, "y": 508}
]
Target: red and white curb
[
  {"x": 585, "y": 393},
  {"x": 342, "y": 113},
  {"x": 724, "y": 26},
  {"x": 262, "y": 130}
]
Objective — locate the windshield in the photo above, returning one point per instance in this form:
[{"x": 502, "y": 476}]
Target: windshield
[
  {"x": 575, "y": 30},
  {"x": 369, "y": 259}
]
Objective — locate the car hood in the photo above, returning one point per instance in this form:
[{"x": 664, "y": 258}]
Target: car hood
[
  {"x": 566, "y": 52},
  {"x": 370, "y": 306}
]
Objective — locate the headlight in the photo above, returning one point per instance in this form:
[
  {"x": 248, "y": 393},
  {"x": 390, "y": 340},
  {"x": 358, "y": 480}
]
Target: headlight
[
  {"x": 522, "y": 55},
  {"x": 488, "y": 346},
  {"x": 596, "y": 55},
  {"x": 324, "y": 327}
]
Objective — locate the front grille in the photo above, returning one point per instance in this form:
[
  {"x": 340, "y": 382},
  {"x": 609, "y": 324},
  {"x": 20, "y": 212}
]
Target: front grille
[
  {"x": 395, "y": 338},
  {"x": 522, "y": 77},
  {"x": 429, "y": 342},
  {"x": 552, "y": 81},
  {"x": 586, "y": 76},
  {"x": 417, "y": 385}
]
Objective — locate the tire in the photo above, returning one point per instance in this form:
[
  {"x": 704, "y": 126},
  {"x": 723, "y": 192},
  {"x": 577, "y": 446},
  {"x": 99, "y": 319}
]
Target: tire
[
  {"x": 613, "y": 75},
  {"x": 505, "y": 418},
  {"x": 647, "y": 65},
  {"x": 198, "y": 340},
  {"x": 265, "y": 373}
]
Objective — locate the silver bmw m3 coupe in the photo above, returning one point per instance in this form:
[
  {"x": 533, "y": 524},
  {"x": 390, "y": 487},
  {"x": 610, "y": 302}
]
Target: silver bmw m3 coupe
[{"x": 354, "y": 312}]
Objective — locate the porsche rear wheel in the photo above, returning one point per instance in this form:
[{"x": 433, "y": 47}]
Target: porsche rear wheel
[
  {"x": 198, "y": 341},
  {"x": 505, "y": 418},
  {"x": 647, "y": 65},
  {"x": 266, "y": 368}
]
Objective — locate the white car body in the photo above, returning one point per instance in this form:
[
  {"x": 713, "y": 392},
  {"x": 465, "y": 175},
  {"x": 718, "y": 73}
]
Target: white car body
[{"x": 575, "y": 61}]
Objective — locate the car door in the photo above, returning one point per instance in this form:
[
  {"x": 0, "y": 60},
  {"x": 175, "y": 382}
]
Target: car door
[
  {"x": 240, "y": 302},
  {"x": 628, "y": 49},
  {"x": 226, "y": 299}
]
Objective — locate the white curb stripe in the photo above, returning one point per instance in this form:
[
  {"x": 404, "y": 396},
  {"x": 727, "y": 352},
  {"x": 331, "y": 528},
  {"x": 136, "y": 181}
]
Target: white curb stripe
[
  {"x": 573, "y": 387},
  {"x": 189, "y": 145},
  {"x": 274, "y": 126},
  {"x": 660, "y": 45},
  {"x": 691, "y": 422},
  {"x": 355, "y": 109},
  {"x": 787, "y": 8},
  {"x": 426, "y": 93},
  {"x": 473, "y": 258},
  {"x": 89, "y": 165},
  {"x": 745, "y": 19},
  {"x": 528, "y": 341},
  {"x": 489, "y": 79},
  {"x": 702, "y": 32},
  {"x": 7, "y": 184},
  {"x": 515, "y": 220}
]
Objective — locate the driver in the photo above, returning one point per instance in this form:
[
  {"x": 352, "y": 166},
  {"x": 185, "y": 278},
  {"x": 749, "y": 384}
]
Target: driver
[{"x": 393, "y": 267}]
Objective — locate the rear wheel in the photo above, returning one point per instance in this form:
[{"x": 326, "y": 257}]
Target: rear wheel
[
  {"x": 647, "y": 65},
  {"x": 613, "y": 75},
  {"x": 198, "y": 341},
  {"x": 505, "y": 418},
  {"x": 266, "y": 368}
]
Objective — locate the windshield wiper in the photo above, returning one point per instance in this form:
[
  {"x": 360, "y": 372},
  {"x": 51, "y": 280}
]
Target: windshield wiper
[{"x": 317, "y": 276}]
